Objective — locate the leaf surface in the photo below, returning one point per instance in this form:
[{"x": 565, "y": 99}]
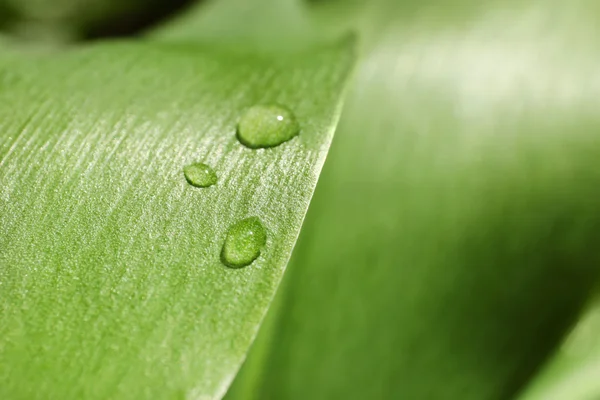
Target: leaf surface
[{"x": 111, "y": 282}]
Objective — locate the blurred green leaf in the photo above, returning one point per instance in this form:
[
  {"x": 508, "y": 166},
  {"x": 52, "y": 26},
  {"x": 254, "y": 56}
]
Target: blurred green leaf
[
  {"x": 110, "y": 277},
  {"x": 573, "y": 371},
  {"x": 451, "y": 243},
  {"x": 71, "y": 20}
]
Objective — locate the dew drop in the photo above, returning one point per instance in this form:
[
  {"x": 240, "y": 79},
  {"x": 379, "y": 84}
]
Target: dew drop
[
  {"x": 200, "y": 175},
  {"x": 267, "y": 126},
  {"x": 245, "y": 239}
]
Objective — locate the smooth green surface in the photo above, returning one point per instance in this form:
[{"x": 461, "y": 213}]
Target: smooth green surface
[
  {"x": 452, "y": 240},
  {"x": 200, "y": 175},
  {"x": 111, "y": 282},
  {"x": 263, "y": 126},
  {"x": 243, "y": 243},
  {"x": 264, "y": 24}
]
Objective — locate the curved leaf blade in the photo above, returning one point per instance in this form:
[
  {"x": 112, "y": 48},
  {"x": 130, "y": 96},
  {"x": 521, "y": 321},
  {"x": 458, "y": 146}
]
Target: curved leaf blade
[{"x": 111, "y": 282}]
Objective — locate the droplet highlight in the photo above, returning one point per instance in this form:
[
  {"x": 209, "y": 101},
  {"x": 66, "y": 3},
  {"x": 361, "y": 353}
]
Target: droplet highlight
[
  {"x": 200, "y": 175},
  {"x": 264, "y": 126},
  {"x": 244, "y": 242}
]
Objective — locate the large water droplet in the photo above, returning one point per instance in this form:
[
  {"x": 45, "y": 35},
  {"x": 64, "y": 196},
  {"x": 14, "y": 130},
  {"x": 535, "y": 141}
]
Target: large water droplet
[
  {"x": 267, "y": 126},
  {"x": 200, "y": 175},
  {"x": 243, "y": 243}
]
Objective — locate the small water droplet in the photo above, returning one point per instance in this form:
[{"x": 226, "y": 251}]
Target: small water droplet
[
  {"x": 245, "y": 239},
  {"x": 267, "y": 126},
  {"x": 200, "y": 175}
]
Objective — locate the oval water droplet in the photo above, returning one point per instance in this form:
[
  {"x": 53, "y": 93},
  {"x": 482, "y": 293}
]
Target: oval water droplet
[
  {"x": 200, "y": 175},
  {"x": 267, "y": 126},
  {"x": 245, "y": 239}
]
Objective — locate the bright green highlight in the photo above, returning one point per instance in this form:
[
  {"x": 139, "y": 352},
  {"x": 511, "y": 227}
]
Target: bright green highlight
[
  {"x": 243, "y": 243},
  {"x": 200, "y": 175},
  {"x": 267, "y": 126}
]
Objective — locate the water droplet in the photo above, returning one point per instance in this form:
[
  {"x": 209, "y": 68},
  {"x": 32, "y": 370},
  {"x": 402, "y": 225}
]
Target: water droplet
[
  {"x": 200, "y": 175},
  {"x": 243, "y": 243},
  {"x": 267, "y": 126}
]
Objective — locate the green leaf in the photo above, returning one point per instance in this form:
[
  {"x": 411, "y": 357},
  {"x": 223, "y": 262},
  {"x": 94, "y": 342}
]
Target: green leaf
[
  {"x": 573, "y": 371},
  {"x": 68, "y": 20},
  {"x": 451, "y": 243},
  {"x": 110, "y": 274}
]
